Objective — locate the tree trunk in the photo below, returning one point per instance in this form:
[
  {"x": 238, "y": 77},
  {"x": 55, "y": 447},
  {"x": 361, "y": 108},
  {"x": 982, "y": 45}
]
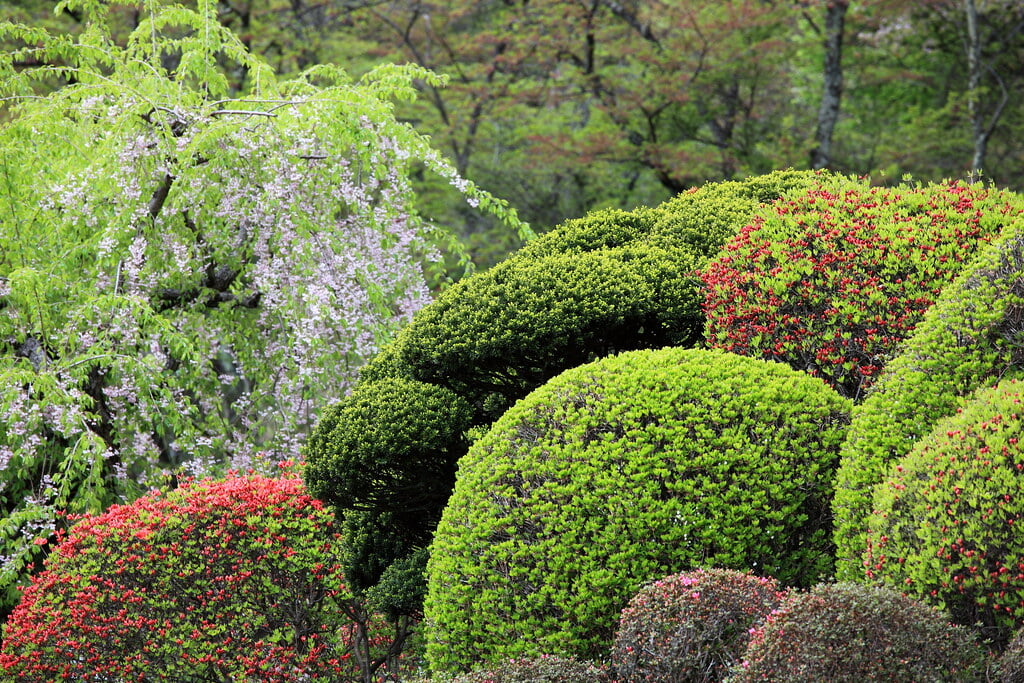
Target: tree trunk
[
  {"x": 978, "y": 133},
  {"x": 828, "y": 113}
]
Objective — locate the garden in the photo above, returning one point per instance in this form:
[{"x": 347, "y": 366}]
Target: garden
[{"x": 263, "y": 419}]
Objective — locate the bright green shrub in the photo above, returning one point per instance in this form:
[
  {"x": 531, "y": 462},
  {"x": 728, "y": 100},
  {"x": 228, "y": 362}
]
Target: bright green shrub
[
  {"x": 946, "y": 521},
  {"x": 618, "y": 472},
  {"x": 1011, "y": 663},
  {"x": 691, "y": 627},
  {"x": 970, "y": 338},
  {"x": 217, "y": 580},
  {"x": 850, "y": 633},
  {"x": 831, "y": 281},
  {"x": 608, "y": 282},
  {"x": 541, "y": 669}
]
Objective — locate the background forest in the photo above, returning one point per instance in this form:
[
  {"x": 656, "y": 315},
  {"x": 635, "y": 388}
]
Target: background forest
[{"x": 563, "y": 106}]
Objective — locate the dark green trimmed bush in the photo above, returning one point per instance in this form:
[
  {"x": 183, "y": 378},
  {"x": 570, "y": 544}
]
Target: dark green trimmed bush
[
  {"x": 832, "y": 280},
  {"x": 1011, "y": 663},
  {"x": 947, "y": 520},
  {"x": 850, "y": 633},
  {"x": 620, "y": 471},
  {"x": 608, "y": 282},
  {"x": 972, "y": 337},
  {"x": 691, "y": 627}
]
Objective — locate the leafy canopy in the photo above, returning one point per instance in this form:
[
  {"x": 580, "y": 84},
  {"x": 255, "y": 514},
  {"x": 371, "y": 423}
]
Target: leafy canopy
[{"x": 189, "y": 273}]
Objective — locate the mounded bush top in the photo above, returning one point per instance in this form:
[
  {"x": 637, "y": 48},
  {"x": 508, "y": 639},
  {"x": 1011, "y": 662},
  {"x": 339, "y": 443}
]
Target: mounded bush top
[
  {"x": 209, "y": 581},
  {"x": 850, "y": 633},
  {"x": 832, "y": 280},
  {"x": 970, "y": 338},
  {"x": 947, "y": 519},
  {"x": 691, "y": 627},
  {"x": 621, "y": 471}
]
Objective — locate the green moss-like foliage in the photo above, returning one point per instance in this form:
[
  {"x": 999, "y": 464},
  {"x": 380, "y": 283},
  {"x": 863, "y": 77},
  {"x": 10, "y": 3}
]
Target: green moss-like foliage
[
  {"x": 691, "y": 627},
  {"x": 850, "y": 633},
  {"x": 541, "y": 669},
  {"x": 972, "y": 337},
  {"x": 1011, "y": 663},
  {"x": 608, "y": 282},
  {"x": 832, "y": 280},
  {"x": 946, "y": 525},
  {"x": 621, "y": 471}
]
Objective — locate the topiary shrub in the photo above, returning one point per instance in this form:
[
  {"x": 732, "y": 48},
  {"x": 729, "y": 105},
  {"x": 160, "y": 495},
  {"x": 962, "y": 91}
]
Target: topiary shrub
[
  {"x": 544, "y": 668},
  {"x": 853, "y": 633},
  {"x": 1011, "y": 662},
  {"x": 608, "y": 282},
  {"x": 235, "y": 579},
  {"x": 946, "y": 521},
  {"x": 691, "y": 627},
  {"x": 620, "y": 471},
  {"x": 970, "y": 338},
  {"x": 833, "y": 280}
]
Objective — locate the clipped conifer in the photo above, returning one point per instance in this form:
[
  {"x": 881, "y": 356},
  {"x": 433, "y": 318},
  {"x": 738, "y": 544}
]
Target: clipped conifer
[
  {"x": 608, "y": 282},
  {"x": 946, "y": 520},
  {"x": 618, "y": 472},
  {"x": 691, "y": 627},
  {"x": 832, "y": 280},
  {"x": 850, "y": 633},
  {"x": 969, "y": 339}
]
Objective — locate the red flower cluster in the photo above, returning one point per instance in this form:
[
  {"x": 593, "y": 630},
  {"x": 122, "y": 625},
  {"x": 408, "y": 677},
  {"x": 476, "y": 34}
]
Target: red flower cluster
[
  {"x": 233, "y": 579},
  {"x": 831, "y": 281}
]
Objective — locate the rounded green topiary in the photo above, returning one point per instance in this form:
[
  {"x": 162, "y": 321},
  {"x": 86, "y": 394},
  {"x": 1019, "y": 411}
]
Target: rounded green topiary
[
  {"x": 541, "y": 669},
  {"x": 970, "y": 338},
  {"x": 618, "y": 472},
  {"x": 850, "y": 633},
  {"x": 831, "y": 281},
  {"x": 946, "y": 521},
  {"x": 691, "y": 627},
  {"x": 608, "y": 282}
]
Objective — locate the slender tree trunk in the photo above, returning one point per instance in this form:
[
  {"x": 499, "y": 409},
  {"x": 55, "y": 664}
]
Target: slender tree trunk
[
  {"x": 828, "y": 113},
  {"x": 978, "y": 132}
]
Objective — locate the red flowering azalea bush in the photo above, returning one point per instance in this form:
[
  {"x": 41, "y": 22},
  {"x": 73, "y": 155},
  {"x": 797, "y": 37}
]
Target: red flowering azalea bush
[
  {"x": 849, "y": 633},
  {"x": 234, "y": 579},
  {"x": 691, "y": 627},
  {"x": 831, "y": 281},
  {"x": 946, "y": 525}
]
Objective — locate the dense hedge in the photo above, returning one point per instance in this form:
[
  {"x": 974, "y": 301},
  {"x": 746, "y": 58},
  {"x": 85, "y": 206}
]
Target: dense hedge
[
  {"x": 621, "y": 471},
  {"x": 831, "y": 281},
  {"x": 691, "y": 627},
  {"x": 946, "y": 521},
  {"x": 607, "y": 282},
  {"x": 542, "y": 669},
  {"x": 970, "y": 338},
  {"x": 233, "y": 579},
  {"x": 1011, "y": 663},
  {"x": 850, "y": 633}
]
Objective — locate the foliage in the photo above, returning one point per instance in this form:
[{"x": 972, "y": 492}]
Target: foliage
[
  {"x": 544, "y": 668},
  {"x": 946, "y": 516},
  {"x": 1011, "y": 662},
  {"x": 618, "y": 472},
  {"x": 969, "y": 339},
  {"x": 691, "y": 627},
  {"x": 851, "y": 633},
  {"x": 188, "y": 276},
  {"x": 607, "y": 282},
  {"x": 832, "y": 281},
  {"x": 214, "y": 580}
]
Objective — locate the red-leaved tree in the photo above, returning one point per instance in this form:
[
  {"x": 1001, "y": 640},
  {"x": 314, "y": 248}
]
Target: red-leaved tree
[{"x": 235, "y": 579}]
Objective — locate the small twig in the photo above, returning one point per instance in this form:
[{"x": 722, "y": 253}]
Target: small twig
[{"x": 242, "y": 112}]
